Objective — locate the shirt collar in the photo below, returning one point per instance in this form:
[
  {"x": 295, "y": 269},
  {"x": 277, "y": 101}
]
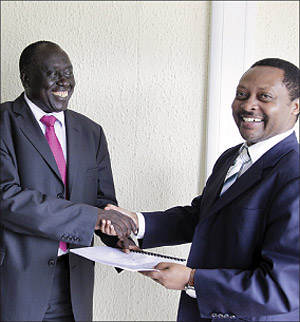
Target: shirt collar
[
  {"x": 38, "y": 113},
  {"x": 258, "y": 149}
]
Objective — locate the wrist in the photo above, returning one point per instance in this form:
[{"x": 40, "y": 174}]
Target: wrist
[
  {"x": 99, "y": 218},
  {"x": 135, "y": 219},
  {"x": 190, "y": 287},
  {"x": 191, "y": 281}
]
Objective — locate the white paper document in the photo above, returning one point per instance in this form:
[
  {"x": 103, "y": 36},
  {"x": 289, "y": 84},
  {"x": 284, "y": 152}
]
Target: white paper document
[{"x": 134, "y": 261}]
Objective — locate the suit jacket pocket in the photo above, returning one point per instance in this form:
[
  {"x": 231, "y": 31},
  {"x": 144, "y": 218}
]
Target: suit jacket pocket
[
  {"x": 243, "y": 214},
  {"x": 2, "y": 254}
]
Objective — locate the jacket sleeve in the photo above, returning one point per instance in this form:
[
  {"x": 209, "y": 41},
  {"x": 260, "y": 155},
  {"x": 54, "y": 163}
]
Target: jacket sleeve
[{"x": 171, "y": 227}]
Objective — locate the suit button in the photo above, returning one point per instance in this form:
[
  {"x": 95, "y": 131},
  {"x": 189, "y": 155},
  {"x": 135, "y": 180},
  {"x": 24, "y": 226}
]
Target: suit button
[
  {"x": 220, "y": 316},
  {"x": 214, "y": 315},
  {"x": 232, "y": 317},
  {"x": 51, "y": 263},
  {"x": 226, "y": 316},
  {"x": 60, "y": 195}
]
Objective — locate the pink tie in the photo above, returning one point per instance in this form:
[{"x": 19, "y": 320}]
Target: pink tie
[{"x": 57, "y": 152}]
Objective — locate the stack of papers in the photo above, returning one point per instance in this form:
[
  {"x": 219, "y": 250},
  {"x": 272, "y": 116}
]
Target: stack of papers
[{"x": 134, "y": 261}]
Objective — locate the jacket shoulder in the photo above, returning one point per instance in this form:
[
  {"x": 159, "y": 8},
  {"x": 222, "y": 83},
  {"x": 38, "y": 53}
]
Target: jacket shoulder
[
  {"x": 6, "y": 108},
  {"x": 82, "y": 119}
]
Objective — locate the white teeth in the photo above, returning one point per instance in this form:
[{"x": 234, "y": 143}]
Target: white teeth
[
  {"x": 251, "y": 119},
  {"x": 61, "y": 94}
]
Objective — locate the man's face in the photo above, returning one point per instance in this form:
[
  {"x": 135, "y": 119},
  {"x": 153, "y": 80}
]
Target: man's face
[
  {"x": 49, "y": 81},
  {"x": 262, "y": 107}
]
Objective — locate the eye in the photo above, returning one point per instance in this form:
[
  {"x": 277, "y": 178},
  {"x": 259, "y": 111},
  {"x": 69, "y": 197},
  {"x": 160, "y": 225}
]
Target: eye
[
  {"x": 51, "y": 74},
  {"x": 69, "y": 73},
  {"x": 240, "y": 95},
  {"x": 265, "y": 96}
]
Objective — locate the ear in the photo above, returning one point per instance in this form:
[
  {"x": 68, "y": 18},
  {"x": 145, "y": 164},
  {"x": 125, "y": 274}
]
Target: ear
[
  {"x": 295, "y": 105},
  {"x": 24, "y": 79}
]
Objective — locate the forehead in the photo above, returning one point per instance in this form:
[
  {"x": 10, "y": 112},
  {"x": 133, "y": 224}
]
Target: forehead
[
  {"x": 263, "y": 76},
  {"x": 51, "y": 56}
]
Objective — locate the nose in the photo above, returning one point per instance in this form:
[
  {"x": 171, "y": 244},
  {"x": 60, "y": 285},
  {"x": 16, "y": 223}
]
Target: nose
[
  {"x": 62, "y": 81},
  {"x": 250, "y": 104}
]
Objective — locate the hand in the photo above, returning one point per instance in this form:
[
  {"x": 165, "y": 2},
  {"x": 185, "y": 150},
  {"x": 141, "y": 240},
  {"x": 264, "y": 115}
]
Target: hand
[
  {"x": 107, "y": 228},
  {"x": 126, "y": 245},
  {"x": 130, "y": 214},
  {"x": 122, "y": 225},
  {"x": 170, "y": 275}
]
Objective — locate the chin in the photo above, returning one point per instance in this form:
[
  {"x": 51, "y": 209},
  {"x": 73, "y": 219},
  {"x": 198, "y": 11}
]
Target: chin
[{"x": 59, "y": 108}]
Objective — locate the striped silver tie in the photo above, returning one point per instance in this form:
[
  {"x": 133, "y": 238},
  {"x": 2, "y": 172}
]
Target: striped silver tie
[{"x": 240, "y": 165}]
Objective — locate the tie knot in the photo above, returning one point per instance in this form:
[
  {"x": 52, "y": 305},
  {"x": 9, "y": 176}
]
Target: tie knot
[
  {"x": 244, "y": 155},
  {"x": 48, "y": 120}
]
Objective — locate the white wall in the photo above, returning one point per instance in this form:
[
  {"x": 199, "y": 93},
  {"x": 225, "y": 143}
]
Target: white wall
[
  {"x": 141, "y": 69},
  {"x": 277, "y": 32}
]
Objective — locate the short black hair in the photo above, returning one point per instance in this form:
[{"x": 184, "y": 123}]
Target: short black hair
[
  {"x": 27, "y": 54},
  {"x": 290, "y": 76}
]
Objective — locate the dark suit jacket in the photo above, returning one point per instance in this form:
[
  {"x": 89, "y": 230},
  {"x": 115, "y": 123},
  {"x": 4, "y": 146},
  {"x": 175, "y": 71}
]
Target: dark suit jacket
[
  {"x": 245, "y": 244},
  {"x": 35, "y": 215}
]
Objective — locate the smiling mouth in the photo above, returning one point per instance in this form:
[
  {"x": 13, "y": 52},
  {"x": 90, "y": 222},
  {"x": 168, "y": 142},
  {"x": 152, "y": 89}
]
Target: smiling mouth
[
  {"x": 61, "y": 94},
  {"x": 252, "y": 119}
]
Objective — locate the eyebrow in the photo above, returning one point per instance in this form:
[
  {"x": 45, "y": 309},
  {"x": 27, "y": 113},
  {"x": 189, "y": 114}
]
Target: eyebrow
[{"x": 260, "y": 89}]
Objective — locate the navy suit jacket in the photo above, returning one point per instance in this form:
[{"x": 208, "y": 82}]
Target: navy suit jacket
[
  {"x": 245, "y": 244},
  {"x": 35, "y": 215}
]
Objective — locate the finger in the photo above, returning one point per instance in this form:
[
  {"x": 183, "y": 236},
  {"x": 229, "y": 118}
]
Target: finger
[
  {"x": 105, "y": 226},
  {"x": 151, "y": 274},
  {"x": 110, "y": 207},
  {"x": 119, "y": 232},
  {"x": 112, "y": 230},
  {"x": 126, "y": 250},
  {"x": 120, "y": 244},
  {"x": 126, "y": 244},
  {"x": 162, "y": 265},
  {"x": 102, "y": 225},
  {"x": 134, "y": 247}
]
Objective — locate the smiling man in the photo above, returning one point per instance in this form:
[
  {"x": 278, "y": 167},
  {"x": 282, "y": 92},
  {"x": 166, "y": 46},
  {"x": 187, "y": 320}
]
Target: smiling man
[
  {"x": 56, "y": 179},
  {"x": 48, "y": 80},
  {"x": 263, "y": 106},
  {"x": 244, "y": 228}
]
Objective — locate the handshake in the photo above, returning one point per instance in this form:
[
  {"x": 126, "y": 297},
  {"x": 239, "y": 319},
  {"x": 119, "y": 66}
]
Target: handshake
[{"x": 115, "y": 221}]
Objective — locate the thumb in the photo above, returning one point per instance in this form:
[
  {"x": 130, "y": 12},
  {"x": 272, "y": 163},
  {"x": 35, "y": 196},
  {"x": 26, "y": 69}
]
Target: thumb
[
  {"x": 110, "y": 207},
  {"x": 162, "y": 265}
]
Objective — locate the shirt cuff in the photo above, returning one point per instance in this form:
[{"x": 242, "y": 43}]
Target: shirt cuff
[{"x": 142, "y": 225}]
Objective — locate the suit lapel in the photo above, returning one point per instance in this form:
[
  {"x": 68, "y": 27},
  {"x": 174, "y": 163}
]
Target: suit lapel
[
  {"x": 212, "y": 190},
  {"x": 73, "y": 148},
  {"x": 32, "y": 131},
  {"x": 248, "y": 179}
]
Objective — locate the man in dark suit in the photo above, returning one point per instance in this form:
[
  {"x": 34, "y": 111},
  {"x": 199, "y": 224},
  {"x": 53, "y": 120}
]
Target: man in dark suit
[
  {"x": 244, "y": 228},
  {"x": 55, "y": 181}
]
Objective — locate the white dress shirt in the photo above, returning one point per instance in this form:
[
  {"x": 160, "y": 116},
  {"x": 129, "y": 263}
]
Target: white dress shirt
[
  {"x": 59, "y": 127},
  {"x": 60, "y": 131}
]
